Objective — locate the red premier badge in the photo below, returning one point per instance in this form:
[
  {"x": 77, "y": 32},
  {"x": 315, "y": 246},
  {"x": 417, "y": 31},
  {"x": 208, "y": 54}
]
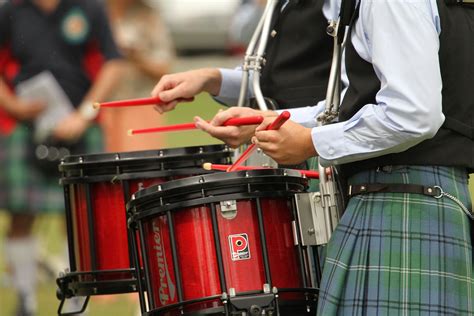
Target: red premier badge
[{"x": 239, "y": 247}]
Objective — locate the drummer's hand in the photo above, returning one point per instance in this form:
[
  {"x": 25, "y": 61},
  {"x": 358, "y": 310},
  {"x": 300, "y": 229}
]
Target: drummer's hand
[
  {"x": 289, "y": 145},
  {"x": 26, "y": 110},
  {"x": 233, "y": 136},
  {"x": 185, "y": 85},
  {"x": 71, "y": 128}
]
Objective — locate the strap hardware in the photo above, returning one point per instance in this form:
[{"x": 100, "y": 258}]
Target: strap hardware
[{"x": 435, "y": 191}]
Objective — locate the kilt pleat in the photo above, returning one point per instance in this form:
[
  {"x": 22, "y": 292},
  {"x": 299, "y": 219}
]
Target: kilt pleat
[
  {"x": 25, "y": 187},
  {"x": 401, "y": 253}
]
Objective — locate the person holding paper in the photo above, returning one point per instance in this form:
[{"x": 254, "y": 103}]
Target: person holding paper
[{"x": 71, "y": 40}]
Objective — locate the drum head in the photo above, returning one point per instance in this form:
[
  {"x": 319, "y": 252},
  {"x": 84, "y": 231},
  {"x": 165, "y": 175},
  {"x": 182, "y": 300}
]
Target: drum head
[{"x": 152, "y": 163}]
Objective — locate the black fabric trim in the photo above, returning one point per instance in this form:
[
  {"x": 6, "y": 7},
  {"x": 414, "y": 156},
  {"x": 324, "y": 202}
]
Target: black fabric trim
[{"x": 393, "y": 188}]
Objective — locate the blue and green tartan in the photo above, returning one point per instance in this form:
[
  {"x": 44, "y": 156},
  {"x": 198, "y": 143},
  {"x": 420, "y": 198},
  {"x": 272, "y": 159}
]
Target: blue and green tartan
[
  {"x": 24, "y": 188},
  {"x": 402, "y": 253}
]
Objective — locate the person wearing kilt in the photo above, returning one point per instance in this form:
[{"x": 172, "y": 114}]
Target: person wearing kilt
[
  {"x": 71, "y": 41},
  {"x": 404, "y": 143}
]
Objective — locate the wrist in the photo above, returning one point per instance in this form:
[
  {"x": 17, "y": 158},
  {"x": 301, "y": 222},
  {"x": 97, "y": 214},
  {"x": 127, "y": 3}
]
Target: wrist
[
  {"x": 213, "y": 82},
  {"x": 87, "y": 111}
]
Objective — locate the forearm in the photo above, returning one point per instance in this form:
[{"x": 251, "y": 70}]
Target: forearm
[
  {"x": 103, "y": 85},
  {"x": 154, "y": 70},
  {"x": 105, "y": 81},
  {"x": 7, "y": 98}
]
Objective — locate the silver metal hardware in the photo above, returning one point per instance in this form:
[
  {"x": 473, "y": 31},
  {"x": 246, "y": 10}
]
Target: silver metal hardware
[
  {"x": 229, "y": 209},
  {"x": 254, "y": 59},
  {"x": 455, "y": 199},
  {"x": 316, "y": 225},
  {"x": 266, "y": 288}
]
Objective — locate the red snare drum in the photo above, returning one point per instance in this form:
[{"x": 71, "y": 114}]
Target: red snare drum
[
  {"x": 223, "y": 244},
  {"x": 97, "y": 188}
]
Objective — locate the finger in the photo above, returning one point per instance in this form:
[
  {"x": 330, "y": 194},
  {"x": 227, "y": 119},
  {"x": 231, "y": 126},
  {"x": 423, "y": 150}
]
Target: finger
[
  {"x": 266, "y": 122},
  {"x": 169, "y": 106},
  {"x": 158, "y": 108},
  {"x": 221, "y": 132},
  {"x": 165, "y": 81},
  {"x": 174, "y": 93}
]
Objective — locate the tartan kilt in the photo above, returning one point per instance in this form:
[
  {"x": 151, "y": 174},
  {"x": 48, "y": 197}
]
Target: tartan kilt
[
  {"x": 24, "y": 187},
  {"x": 402, "y": 253}
]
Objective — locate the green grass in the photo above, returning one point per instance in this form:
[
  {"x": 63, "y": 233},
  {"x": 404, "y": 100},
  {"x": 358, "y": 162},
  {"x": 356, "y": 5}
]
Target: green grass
[{"x": 203, "y": 106}]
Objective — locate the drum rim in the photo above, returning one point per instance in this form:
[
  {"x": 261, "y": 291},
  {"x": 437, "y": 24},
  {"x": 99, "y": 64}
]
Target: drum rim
[
  {"x": 85, "y": 161},
  {"x": 204, "y": 189},
  {"x": 186, "y": 303},
  {"x": 212, "y": 178}
]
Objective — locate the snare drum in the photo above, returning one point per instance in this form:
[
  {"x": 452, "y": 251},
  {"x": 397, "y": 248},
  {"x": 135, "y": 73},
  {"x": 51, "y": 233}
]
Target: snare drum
[
  {"x": 223, "y": 244},
  {"x": 96, "y": 189}
]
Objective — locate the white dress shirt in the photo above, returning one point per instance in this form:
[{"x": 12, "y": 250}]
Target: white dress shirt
[{"x": 400, "y": 38}]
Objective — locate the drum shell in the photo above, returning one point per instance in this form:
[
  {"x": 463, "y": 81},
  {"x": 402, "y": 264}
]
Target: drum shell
[
  {"x": 96, "y": 197},
  {"x": 197, "y": 224}
]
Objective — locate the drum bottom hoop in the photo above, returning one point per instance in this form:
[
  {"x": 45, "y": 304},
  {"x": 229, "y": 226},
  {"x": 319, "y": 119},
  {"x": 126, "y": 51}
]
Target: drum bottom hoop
[
  {"x": 286, "y": 307},
  {"x": 98, "y": 282}
]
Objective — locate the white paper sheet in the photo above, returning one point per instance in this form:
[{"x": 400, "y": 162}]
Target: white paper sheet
[{"x": 45, "y": 87}]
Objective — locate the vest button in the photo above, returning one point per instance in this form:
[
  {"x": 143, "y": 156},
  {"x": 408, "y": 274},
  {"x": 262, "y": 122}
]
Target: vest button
[{"x": 273, "y": 33}]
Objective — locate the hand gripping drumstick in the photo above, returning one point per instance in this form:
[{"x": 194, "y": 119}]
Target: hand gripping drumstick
[
  {"x": 135, "y": 102},
  {"x": 212, "y": 166},
  {"x": 237, "y": 121},
  {"x": 276, "y": 124}
]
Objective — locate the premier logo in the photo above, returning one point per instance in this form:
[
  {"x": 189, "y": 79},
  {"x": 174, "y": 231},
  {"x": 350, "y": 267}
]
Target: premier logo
[
  {"x": 239, "y": 247},
  {"x": 167, "y": 290}
]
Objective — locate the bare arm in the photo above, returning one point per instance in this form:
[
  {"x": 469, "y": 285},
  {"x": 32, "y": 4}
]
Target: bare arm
[
  {"x": 73, "y": 126},
  {"x": 20, "y": 110}
]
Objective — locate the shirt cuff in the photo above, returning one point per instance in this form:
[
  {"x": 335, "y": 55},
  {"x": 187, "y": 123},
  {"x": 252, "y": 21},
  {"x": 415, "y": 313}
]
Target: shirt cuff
[
  {"x": 329, "y": 152},
  {"x": 230, "y": 86},
  {"x": 306, "y": 116}
]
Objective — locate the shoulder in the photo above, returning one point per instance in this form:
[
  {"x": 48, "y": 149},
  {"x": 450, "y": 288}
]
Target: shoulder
[
  {"x": 90, "y": 7},
  {"x": 426, "y": 7},
  {"x": 388, "y": 11}
]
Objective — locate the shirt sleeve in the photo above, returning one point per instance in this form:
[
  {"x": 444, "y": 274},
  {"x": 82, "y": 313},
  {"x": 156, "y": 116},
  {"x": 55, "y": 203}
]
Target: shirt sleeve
[
  {"x": 103, "y": 34},
  {"x": 230, "y": 87},
  {"x": 400, "y": 38}
]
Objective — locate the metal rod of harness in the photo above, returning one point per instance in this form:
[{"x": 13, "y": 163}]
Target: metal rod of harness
[
  {"x": 327, "y": 182},
  {"x": 254, "y": 57}
]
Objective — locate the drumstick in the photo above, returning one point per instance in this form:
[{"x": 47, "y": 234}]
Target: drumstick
[
  {"x": 236, "y": 121},
  {"x": 276, "y": 124},
  {"x": 212, "y": 166},
  {"x": 135, "y": 102}
]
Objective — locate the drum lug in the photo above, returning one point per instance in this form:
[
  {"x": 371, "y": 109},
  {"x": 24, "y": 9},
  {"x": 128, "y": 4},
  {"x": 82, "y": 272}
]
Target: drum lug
[
  {"x": 229, "y": 209},
  {"x": 312, "y": 219},
  {"x": 254, "y": 305}
]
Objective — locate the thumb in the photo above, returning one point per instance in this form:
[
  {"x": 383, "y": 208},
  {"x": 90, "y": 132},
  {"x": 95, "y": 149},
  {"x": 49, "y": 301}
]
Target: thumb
[{"x": 170, "y": 95}]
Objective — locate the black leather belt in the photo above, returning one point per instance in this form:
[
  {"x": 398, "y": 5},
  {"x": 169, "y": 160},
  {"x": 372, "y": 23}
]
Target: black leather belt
[
  {"x": 459, "y": 2},
  {"x": 433, "y": 191}
]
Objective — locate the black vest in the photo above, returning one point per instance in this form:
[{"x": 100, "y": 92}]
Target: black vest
[
  {"x": 453, "y": 145},
  {"x": 298, "y": 57}
]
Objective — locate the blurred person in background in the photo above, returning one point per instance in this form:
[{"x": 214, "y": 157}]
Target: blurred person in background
[
  {"x": 243, "y": 24},
  {"x": 70, "y": 39},
  {"x": 144, "y": 41}
]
